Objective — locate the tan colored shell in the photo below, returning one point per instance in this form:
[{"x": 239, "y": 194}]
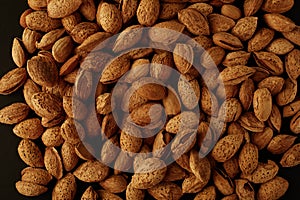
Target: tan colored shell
[
  {"x": 62, "y": 49},
  {"x": 248, "y": 158},
  {"x": 262, "y": 104},
  {"x": 29, "y": 129},
  {"x": 274, "y": 188},
  {"x": 291, "y": 157},
  {"x": 60, "y": 9},
  {"x": 220, "y": 23},
  {"x": 88, "y": 9},
  {"x": 65, "y": 188},
  {"x": 89, "y": 194},
  {"x": 277, "y": 6},
  {"x": 222, "y": 182},
  {"x": 235, "y": 75},
  {"x": 30, "y": 153},
  {"x": 260, "y": 39},
  {"x": 114, "y": 184},
  {"x": 12, "y": 81},
  {"x": 279, "y": 22},
  {"x": 36, "y": 175},
  {"x": 166, "y": 190},
  {"x": 53, "y": 162},
  {"x": 18, "y": 52},
  {"x": 245, "y": 28},
  {"x": 91, "y": 171},
  {"x": 30, "y": 189},
  {"x": 52, "y": 137},
  {"x": 148, "y": 12},
  {"x": 68, "y": 156},
  {"x": 41, "y": 21}
]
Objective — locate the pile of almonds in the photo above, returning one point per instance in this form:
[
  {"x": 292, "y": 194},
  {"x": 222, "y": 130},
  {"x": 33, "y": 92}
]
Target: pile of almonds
[{"x": 257, "y": 59}]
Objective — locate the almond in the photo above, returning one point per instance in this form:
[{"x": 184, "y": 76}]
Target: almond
[
  {"x": 30, "y": 189},
  {"x": 29, "y": 129},
  {"x": 148, "y": 12},
  {"x": 36, "y": 176},
  {"x": 291, "y": 157},
  {"x": 65, "y": 188},
  {"x": 114, "y": 184},
  {"x": 91, "y": 171},
  {"x": 273, "y": 189},
  {"x": 248, "y": 158},
  {"x": 12, "y": 81},
  {"x": 89, "y": 194},
  {"x": 166, "y": 190},
  {"x": 30, "y": 153},
  {"x": 52, "y": 137},
  {"x": 53, "y": 162},
  {"x": 60, "y": 9},
  {"x": 109, "y": 17},
  {"x": 69, "y": 156}
]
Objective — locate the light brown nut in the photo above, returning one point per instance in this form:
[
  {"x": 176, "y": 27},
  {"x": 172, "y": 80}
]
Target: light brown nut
[
  {"x": 109, "y": 151},
  {"x": 174, "y": 173},
  {"x": 194, "y": 21},
  {"x": 200, "y": 167},
  {"x": 128, "y": 10},
  {"x": 260, "y": 74},
  {"x": 171, "y": 103},
  {"x": 273, "y": 83},
  {"x": 91, "y": 171},
  {"x": 262, "y": 139},
  {"x": 244, "y": 189},
  {"x": 114, "y": 184},
  {"x": 275, "y": 119},
  {"x": 68, "y": 156},
  {"x": 245, "y": 28},
  {"x": 235, "y": 75},
  {"x": 231, "y": 167},
  {"x": 12, "y": 81},
  {"x": 133, "y": 193},
  {"x": 89, "y": 194},
  {"x": 252, "y": 6},
  {"x": 53, "y": 162},
  {"x": 41, "y": 21},
  {"x": 74, "y": 108},
  {"x": 288, "y": 93},
  {"x": 37, "y": 4},
  {"x": 189, "y": 92},
  {"x": 30, "y": 189},
  {"x": 183, "y": 57},
  {"x": 30, "y": 153},
  {"x": 60, "y": 9},
  {"x": 130, "y": 140},
  {"x": 294, "y": 124},
  {"x": 204, "y": 41},
  {"x": 246, "y": 93},
  {"x": 292, "y": 64},
  {"x": 150, "y": 88},
  {"x": 43, "y": 70},
  {"x": 262, "y": 104},
  {"x": 227, "y": 41},
  {"x": 260, "y": 39},
  {"x": 231, "y": 143},
  {"x": 280, "y": 46},
  {"x": 49, "y": 39},
  {"x": 250, "y": 122},
  {"x": 109, "y": 17},
  {"x": 269, "y": 61},
  {"x": 170, "y": 10},
  {"x": 182, "y": 121},
  {"x": 207, "y": 193},
  {"x": 69, "y": 22},
  {"x": 273, "y": 189},
  {"x": 29, "y": 129},
  {"x": 88, "y": 9},
  {"x": 231, "y": 109},
  {"x": 278, "y": 6},
  {"x": 293, "y": 35},
  {"x": 248, "y": 158},
  {"x": 212, "y": 57},
  {"x": 18, "y": 52},
  {"x": 236, "y": 58},
  {"x": 52, "y": 137},
  {"x": 109, "y": 126},
  {"x": 231, "y": 11},
  {"x": 22, "y": 19},
  {"x": 132, "y": 100},
  {"x": 103, "y": 104},
  {"x": 148, "y": 12},
  {"x": 62, "y": 49},
  {"x": 65, "y": 188},
  {"x": 263, "y": 173},
  {"x": 281, "y": 143},
  {"x": 291, "y": 109},
  {"x": 36, "y": 176},
  {"x": 279, "y": 22},
  {"x": 72, "y": 131},
  {"x": 151, "y": 172},
  {"x": 222, "y": 182},
  {"x": 291, "y": 158},
  {"x": 192, "y": 185},
  {"x": 204, "y": 8},
  {"x": 29, "y": 89},
  {"x": 166, "y": 190},
  {"x": 220, "y": 23}
]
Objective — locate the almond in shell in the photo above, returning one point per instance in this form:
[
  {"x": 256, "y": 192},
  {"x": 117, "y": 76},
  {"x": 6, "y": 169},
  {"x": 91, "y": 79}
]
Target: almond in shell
[
  {"x": 166, "y": 190},
  {"x": 114, "y": 184},
  {"x": 36, "y": 175},
  {"x": 291, "y": 158},
  {"x": 91, "y": 171},
  {"x": 12, "y": 81},
  {"x": 273, "y": 189},
  {"x": 30, "y": 189},
  {"x": 53, "y": 162},
  {"x": 29, "y": 129},
  {"x": 60, "y": 9},
  {"x": 65, "y": 188},
  {"x": 30, "y": 153}
]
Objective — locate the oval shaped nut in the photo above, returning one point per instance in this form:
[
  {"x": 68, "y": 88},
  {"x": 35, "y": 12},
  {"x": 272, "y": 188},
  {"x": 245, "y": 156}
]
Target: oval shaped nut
[
  {"x": 166, "y": 190},
  {"x": 250, "y": 122},
  {"x": 220, "y": 23},
  {"x": 200, "y": 167},
  {"x": 227, "y": 147},
  {"x": 263, "y": 173},
  {"x": 72, "y": 131},
  {"x": 65, "y": 188},
  {"x": 189, "y": 92},
  {"x": 288, "y": 92},
  {"x": 30, "y": 153},
  {"x": 36, "y": 176},
  {"x": 280, "y": 46},
  {"x": 49, "y": 39},
  {"x": 293, "y": 35},
  {"x": 262, "y": 139},
  {"x": 91, "y": 171},
  {"x": 246, "y": 93},
  {"x": 192, "y": 185},
  {"x": 269, "y": 61},
  {"x": 148, "y": 12},
  {"x": 69, "y": 22},
  {"x": 114, "y": 184},
  {"x": 212, "y": 57},
  {"x": 277, "y": 6},
  {"x": 30, "y": 88},
  {"x": 62, "y": 49},
  {"x": 170, "y": 10},
  {"x": 279, "y": 22},
  {"x": 37, "y": 5},
  {"x": 182, "y": 121},
  {"x": 151, "y": 172},
  {"x": 128, "y": 10},
  {"x": 236, "y": 58},
  {"x": 150, "y": 88},
  {"x": 30, "y": 189},
  {"x": 292, "y": 64},
  {"x": 273, "y": 83},
  {"x": 53, "y": 162},
  {"x": 248, "y": 158},
  {"x": 291, "y": 158},
  {"x": 18, "y": 52},
  {"x": 83, "y": 30},
  {"x": 231, "y": 11},
  {"x": 227, "y": 41},
  {"x": 235, "y": 75},
  {"x": 275, "y": 119},
  {"x": 252, "y": 6},
  {"x": 89, "y": 194},
  {"x": 52, "y": 137},
  {"x": 12, "y": 81},
  {"x": 204, "y": 41},
  {"x": 14, "y": 113},
  {"x": 273, "y": 189},
  {"x": 295, "y": 123},
  {"x": 262, "y": 104},
  {"x": 291, "y": 109},
  {"x": 74, "y": 108},
  {"x": 171, "y": 102},
  {"x": 261, "y": 39},
  {"x": 133, "y": 193},
  {"x": 281, "y": 143},
  {"x": 231, "y": 109},
  {"x": 207, "y": 193},
  {"x": 60, "y": 9},
  {"x": 43, "y": 70},
  {"x": 41, "y": 21},
  {"x": 174, "y": 173},
  {"x": 29, "y": 129},
  {"x": 183, "y": 57},
  {"x": 130, "y": 143},
  {"x": 69, "y": 156},
  {"x": 245, "y": 28},
  {"x": 231, "y": 167},
  {"x": 222, "y": 182}
]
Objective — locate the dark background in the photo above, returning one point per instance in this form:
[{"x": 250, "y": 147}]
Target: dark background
[{"x": 10, "y": 163}]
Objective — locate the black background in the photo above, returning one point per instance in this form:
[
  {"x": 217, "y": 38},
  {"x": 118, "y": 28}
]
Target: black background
[{"x": 10, "y": 163}]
